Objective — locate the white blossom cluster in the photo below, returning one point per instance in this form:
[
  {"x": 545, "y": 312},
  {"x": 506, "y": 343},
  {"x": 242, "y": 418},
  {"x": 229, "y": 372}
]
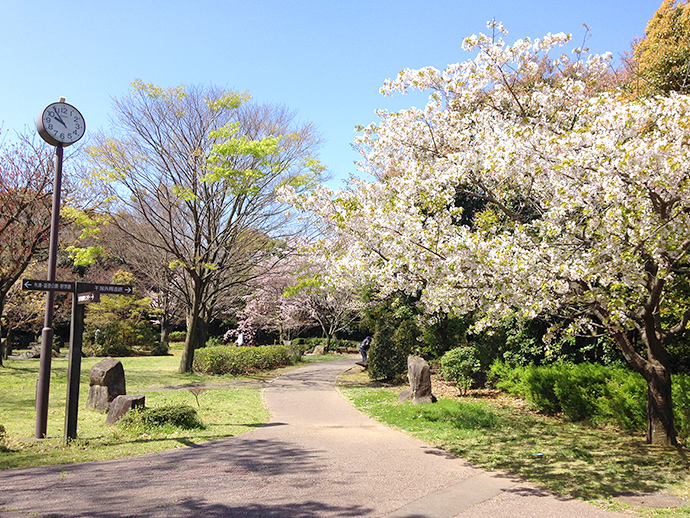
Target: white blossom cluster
[{"x": 584, "y": 192}]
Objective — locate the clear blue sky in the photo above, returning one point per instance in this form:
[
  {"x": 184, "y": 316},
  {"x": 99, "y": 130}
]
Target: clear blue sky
[{"x": 326, "y": 60}]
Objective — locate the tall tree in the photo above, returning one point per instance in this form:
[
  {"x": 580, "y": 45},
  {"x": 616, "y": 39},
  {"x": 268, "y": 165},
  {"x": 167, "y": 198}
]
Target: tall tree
[
  {"x": 192, "y": 172},
  {"x": 26, "y": 178},
  {"x": 587, "y": 202},
  {"x": 662, "y": 57}
]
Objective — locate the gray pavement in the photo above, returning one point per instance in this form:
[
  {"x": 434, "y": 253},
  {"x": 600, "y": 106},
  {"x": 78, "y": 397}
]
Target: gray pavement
[{"x": 317, "y": 457}]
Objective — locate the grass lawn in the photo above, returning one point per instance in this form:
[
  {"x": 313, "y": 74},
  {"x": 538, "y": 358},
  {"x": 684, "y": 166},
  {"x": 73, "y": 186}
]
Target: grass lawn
[
  {"x": 227, "y": 408},
  {"x": 502, "y": 433}
]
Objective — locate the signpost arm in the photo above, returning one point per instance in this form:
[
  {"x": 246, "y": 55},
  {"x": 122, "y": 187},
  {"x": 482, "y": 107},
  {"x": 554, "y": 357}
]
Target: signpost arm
[
  {"x": 43, "y": 386},
  {"x": 74, "y": 365}
]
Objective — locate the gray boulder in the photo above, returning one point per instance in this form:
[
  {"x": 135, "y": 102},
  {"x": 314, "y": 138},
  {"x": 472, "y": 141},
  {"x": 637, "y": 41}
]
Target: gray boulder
[
  {"x": 123, "y": 404},
  {"x": 106, "y": 382},
  {"x": 419, "y": 376}
]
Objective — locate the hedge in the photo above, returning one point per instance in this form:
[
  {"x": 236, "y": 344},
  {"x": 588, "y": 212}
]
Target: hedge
[
  {"x": 226, "y": 359},
  {"x": 180, "y": 416},
  {"x": 590, "y": 392}
]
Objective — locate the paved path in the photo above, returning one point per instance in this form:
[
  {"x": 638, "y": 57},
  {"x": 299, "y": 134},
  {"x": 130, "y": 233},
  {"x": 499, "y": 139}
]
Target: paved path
[{"x": 318, "y": 457}]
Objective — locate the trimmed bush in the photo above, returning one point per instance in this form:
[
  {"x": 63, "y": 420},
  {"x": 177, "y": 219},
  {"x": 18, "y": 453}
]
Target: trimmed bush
[
  {"x": 178, "y": 416},
  {"x": 177, "y": 336},
  {"x": 583, "y": 392},
  {"x": 460, "y": 365},
  {"x": 681, "y": 404},
  {"x": 393, "y": 342},
  {"x": 625, "y": 400},
  {"x": 225, "y": 359}
]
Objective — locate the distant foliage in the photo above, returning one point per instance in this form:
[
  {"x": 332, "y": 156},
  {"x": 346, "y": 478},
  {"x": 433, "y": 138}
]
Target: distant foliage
[
  {"x": 307, "y": 343},
  {"x": 177, "y": 336},
  {"x": 120, "y": 325},
  {"x": 396, "y": 336},
  {"x": 243, "y": 360},
  {"x": 214, "y": 341},
  {"x": 663, "y": 56}
]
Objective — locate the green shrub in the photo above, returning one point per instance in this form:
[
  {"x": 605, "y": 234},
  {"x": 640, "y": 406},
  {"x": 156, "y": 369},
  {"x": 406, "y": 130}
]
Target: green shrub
[
  {"x": 178, "y": 416},
  {"x": 214, "y": 341},
  {"x": 3, "y": 438},
  {"x": 509, "y": 379},
  {"x": 583, "y": 392},
  {"x": 579, "y": 389},
  {"x": 392, "y": 344},
  {"x": 460, "y": 365},
  {"x": 338, "y": 342},
  {"x": 681, "y": 404},
  {"x": 540, "y": 388},
  {"x": 123, "y": 338},
  {"x": 625, "y": 400},
  {"x": 243, "y": 360},
  {"x": 177, "y": 336}
]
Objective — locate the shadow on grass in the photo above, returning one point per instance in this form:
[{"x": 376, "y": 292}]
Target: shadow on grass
[{"x": 570, "y": 458}]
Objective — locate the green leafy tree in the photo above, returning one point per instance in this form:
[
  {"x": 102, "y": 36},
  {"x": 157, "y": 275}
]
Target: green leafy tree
[
  {"x": 120, "y": 324},
  {"x": 663, "y": 57},
  {"x": 192, "y": 173}
]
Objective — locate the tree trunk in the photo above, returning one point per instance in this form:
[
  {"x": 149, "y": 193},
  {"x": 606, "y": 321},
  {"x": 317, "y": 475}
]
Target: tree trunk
[
  {"x": 195, "y": 329},
  {"x": 3, "y": 343},
  {"x": 660, "y": 428},
  {"x": 655, "y": 369},
  {"x": 9, "y": 341},
  {"x": 165, "y": 334}
]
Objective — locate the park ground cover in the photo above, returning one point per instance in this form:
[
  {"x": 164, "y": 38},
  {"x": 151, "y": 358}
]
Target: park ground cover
[
  {"x": 228, "y": 405},
  {"x": 497, "y": 432}
]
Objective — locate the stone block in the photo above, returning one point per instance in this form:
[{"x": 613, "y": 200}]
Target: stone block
[
  {"x": 106, "y": 382},
  {"x": 419, "y": 376},
  {"x": 123, "y": 404}
]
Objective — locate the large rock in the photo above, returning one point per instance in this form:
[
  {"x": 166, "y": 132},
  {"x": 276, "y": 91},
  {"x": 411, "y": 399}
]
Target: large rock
[
  {"x": 319, "y": 349},
  {"x": 106, "y": 382},
  {"x": 123, "y": 404},
  {"x": 419, "y": 376}
]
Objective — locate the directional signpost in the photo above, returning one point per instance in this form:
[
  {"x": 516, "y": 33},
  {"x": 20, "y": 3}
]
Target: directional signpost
[
  {"x": 36, "y": 285},
  {"x": 89, "y": 297},
  {"x": 82, "y": 294}
]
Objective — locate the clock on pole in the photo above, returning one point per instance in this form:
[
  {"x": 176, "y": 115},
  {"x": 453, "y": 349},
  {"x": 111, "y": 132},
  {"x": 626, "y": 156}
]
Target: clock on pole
[{"x": 60, "y": 124}]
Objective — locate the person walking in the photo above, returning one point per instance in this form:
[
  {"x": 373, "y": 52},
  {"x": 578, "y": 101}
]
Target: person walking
[{"x": 364, "y": 348}]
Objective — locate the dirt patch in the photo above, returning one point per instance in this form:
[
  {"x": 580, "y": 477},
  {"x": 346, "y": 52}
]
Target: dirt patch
[{"x": 653, "y": 500}]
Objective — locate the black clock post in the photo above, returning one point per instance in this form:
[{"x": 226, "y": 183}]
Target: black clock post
[{"x": 60, "y": 125}]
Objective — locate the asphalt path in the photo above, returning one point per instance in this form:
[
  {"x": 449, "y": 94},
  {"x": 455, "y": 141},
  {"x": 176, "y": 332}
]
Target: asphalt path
[{"x": 317, "y": 457}]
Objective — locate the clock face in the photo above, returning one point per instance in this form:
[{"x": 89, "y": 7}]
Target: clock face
[{"x": 61, "y": 124}]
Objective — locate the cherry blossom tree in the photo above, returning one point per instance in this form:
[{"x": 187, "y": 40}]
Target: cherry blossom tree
[
  {"x": 26, "y": 176},
  {"x": 267, "y": 307},
  {"x": 580, "y": 201}
]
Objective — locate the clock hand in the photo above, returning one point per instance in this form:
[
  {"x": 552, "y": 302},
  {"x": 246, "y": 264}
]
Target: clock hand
[{"x": 57, "y": 116}]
